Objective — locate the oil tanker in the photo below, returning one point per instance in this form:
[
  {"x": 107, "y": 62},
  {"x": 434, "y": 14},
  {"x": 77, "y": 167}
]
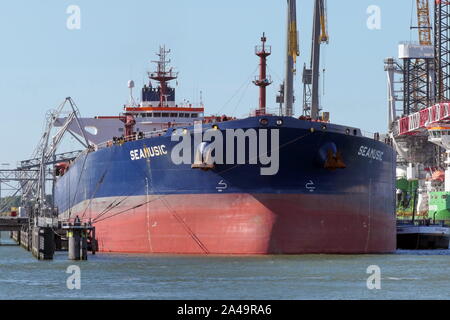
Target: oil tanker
[{"x": 163, "y": 178}]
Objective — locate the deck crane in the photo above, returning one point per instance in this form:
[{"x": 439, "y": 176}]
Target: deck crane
[
  {"x": 311, "y": 76},
  {"x": 292, "y": 54}
]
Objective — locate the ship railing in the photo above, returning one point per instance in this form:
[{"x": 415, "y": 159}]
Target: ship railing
[
  {"x": 261, "y": 49},
  {"x": 377, "y": 137},
  {"x": 276, "y": 111},
  {"x": 164, "y": 74},
  {"x": 134, "y": 137},
  {"x": 371, "y": 135}
]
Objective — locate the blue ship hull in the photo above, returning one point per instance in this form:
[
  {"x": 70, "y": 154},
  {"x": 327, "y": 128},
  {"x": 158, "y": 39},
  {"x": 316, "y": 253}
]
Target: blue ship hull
[{"x": 141, "y": 201}]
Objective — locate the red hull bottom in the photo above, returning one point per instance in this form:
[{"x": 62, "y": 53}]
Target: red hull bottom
[{"x": 243, "y": 224}]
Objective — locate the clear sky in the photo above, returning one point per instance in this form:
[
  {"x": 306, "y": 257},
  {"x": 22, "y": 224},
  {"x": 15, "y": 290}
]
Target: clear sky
[{"x": 212, "y": 42}]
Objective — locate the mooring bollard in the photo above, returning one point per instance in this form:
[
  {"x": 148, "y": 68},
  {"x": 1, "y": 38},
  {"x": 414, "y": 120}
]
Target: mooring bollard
[
  {"x": 77, "y": 244},
  {"x": 74, "y": 243}
]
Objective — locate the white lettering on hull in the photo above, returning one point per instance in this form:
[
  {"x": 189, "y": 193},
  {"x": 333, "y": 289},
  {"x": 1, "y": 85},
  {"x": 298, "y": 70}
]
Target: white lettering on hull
[
  {"x": 370, "y": 153},
  {"x": 145, "y": 153}
]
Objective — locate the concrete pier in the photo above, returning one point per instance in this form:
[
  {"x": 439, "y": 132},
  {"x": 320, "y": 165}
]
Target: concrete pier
[
  {"x": 43, "y": 244},
  {"x": 12, "y": 224},
  {"x": 25, "y": 239},
  {"x": 45, "y": 238}
]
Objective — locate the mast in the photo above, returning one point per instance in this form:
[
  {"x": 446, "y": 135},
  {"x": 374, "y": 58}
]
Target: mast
[
  {"x": 263, "y": 80},
  {"x": 292, "y": 54},
  {"x": 162, "y": 75}
]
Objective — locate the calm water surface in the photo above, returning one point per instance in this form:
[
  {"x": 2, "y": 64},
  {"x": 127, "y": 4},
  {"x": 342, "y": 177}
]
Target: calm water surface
[{"x": 405, "y": 275}]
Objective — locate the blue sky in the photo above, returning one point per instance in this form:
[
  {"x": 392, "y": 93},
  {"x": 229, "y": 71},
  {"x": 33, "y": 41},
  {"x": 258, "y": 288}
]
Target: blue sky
[{"x": 42, "y": 62}]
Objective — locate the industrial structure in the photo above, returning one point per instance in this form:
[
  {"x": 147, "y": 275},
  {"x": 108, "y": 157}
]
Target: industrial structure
[
  {"x": 419, "y": 130},
  {"x": 36, "y": 223}
]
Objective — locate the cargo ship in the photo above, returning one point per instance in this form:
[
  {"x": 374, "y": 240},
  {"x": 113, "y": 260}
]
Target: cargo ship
[{"x": 163, "y": 178}]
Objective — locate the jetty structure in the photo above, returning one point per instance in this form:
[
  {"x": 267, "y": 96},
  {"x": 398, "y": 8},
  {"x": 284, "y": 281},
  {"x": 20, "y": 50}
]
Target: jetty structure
[
  {"x": 419, "y": 117},
  {"x": 35, "y": 225}
]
